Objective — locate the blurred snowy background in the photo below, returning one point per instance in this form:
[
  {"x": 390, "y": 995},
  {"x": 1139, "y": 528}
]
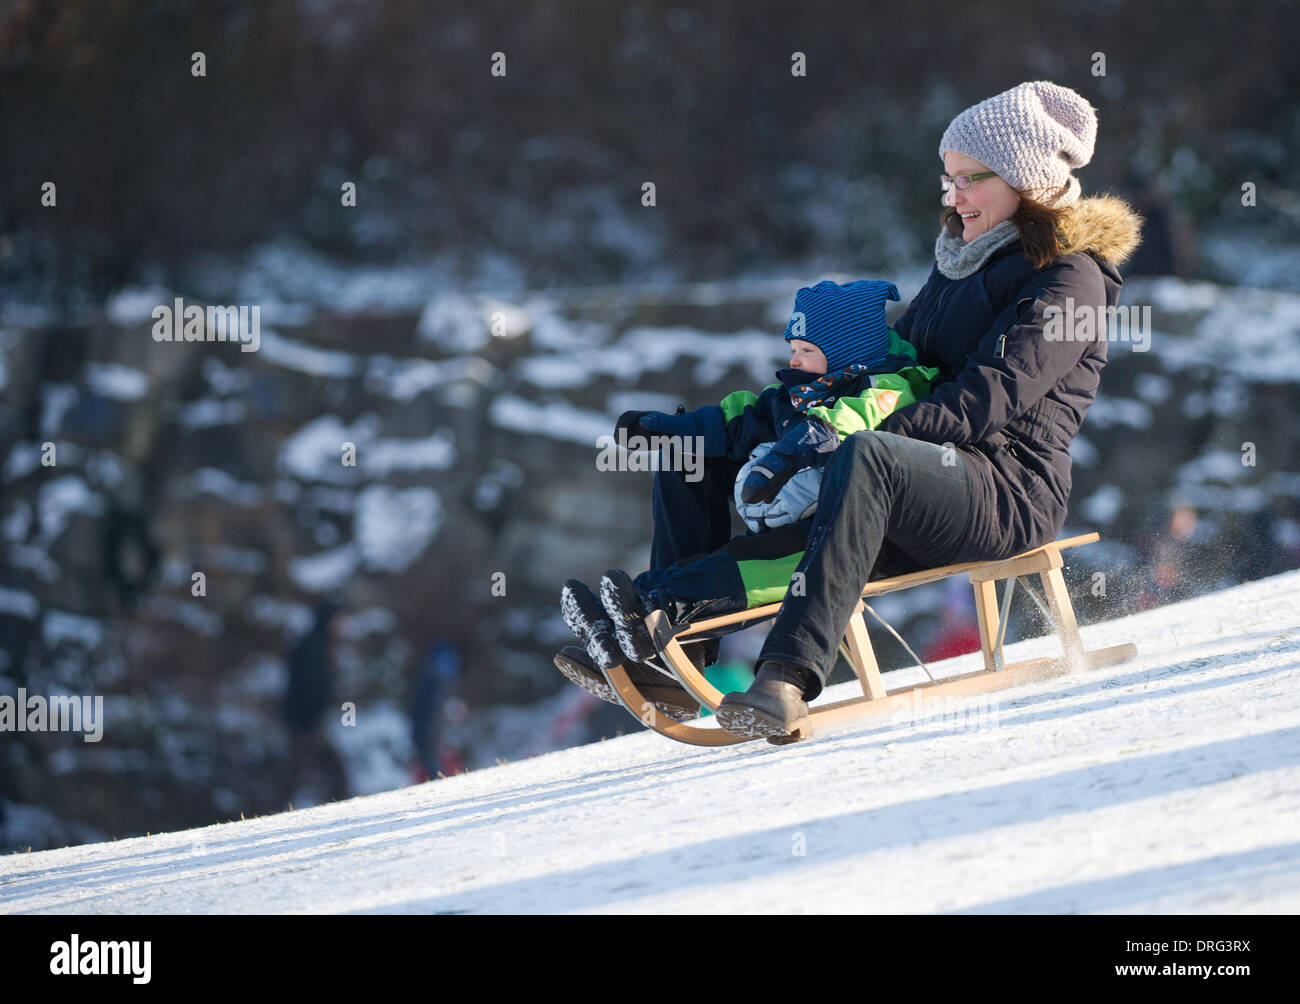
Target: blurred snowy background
[{"x": 520, "y": 196}]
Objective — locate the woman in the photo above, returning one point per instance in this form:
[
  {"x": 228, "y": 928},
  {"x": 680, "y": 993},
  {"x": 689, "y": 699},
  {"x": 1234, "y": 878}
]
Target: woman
[{"x": 979, "y": 469}]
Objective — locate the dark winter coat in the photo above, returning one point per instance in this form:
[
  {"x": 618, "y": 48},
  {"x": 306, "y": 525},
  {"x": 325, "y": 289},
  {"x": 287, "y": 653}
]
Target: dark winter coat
[{"x": 1008, "y": 396}]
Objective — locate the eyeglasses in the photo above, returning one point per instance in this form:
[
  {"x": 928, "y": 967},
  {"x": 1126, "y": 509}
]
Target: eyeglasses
[{"x": 963, "y": 181}]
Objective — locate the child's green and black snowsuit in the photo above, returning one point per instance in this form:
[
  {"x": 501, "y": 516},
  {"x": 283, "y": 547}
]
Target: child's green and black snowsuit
[{"x": 755, "y": 568}]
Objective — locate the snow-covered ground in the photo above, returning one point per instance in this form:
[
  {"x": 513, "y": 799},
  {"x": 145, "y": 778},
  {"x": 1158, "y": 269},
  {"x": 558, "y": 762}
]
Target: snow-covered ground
[{"x": 1170, "y": 784}]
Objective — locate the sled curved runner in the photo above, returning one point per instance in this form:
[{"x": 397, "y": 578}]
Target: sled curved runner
[
  {"x": 641, "y": 708},
  {"x": 1045, "y": 562}
]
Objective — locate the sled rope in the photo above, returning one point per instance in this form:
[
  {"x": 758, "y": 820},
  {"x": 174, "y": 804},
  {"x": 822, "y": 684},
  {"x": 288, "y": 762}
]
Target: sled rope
[
  {"x": 924, "y": 668},
  {"x": 1033, "y": 595}
]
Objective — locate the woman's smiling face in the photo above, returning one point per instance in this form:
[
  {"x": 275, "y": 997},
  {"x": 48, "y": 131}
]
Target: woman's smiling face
[{"x": 985, "y": 204}]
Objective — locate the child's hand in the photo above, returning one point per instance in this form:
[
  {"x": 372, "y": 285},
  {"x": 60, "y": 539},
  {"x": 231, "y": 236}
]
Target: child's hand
[
  {"x": 656, "y": 423},
  {"x": 629, "y": 425},
  {"x": 810, "y": 443}
]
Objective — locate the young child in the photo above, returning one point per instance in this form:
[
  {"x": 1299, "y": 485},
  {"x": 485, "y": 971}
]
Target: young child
[
  {"x": 782, "y": 479},
  {"x": 848, "y": 370}
]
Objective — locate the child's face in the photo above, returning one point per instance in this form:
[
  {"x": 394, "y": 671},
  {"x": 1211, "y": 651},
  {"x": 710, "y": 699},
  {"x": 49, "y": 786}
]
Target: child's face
[{"x": 807, "y": 357}]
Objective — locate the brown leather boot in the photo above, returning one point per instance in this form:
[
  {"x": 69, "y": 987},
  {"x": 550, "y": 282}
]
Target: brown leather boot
[{"x": 773, "y": 706}]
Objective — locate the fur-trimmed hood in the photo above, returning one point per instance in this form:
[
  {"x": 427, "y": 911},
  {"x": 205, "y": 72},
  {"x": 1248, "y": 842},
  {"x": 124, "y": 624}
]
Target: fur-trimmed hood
[{"x": 1105, "y": 225}]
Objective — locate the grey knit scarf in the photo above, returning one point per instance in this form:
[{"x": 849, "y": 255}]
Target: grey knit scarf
[{"x": 957, "y": 259}]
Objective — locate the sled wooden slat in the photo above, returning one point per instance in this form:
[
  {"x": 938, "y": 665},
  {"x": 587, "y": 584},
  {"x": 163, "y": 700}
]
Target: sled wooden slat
[
  {"x": 986, "y": 614},
  {"x": 1042, "y": 560},
  {"x": 978, "y": 682},
  {"x": 1045, "y": 562},
  {"x": 1058, "y": 601},
  {"x": 687, "y": 675},
  {"x": 879, "y": 587},
  {"x": 862, "y": 656}
]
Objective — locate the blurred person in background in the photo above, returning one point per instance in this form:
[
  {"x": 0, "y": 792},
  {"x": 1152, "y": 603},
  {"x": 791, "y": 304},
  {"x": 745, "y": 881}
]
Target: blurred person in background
[
  {"x": 314, "y": 771},
  {"x": 958, "y": 631},
  {"x": 433, "y": 686}
]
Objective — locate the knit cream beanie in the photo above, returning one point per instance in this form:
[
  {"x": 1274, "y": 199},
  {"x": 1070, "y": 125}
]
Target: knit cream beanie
[{"x": 1033, "y": 136}]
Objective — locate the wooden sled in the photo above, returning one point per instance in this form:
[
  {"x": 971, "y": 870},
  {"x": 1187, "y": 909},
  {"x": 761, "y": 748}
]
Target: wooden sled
[{"x": 1045, "y": 562}]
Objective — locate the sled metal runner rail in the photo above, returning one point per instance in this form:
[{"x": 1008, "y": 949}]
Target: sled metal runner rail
[{"x": 1045, "y": 562}]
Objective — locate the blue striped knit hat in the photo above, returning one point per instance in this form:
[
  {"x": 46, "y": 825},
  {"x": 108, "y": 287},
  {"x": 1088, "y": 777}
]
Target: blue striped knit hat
[{"x": 846, "y": 322}]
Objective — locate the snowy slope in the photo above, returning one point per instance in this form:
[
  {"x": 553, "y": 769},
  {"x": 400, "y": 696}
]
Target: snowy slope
[{"x": 1170, "y": 784}]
